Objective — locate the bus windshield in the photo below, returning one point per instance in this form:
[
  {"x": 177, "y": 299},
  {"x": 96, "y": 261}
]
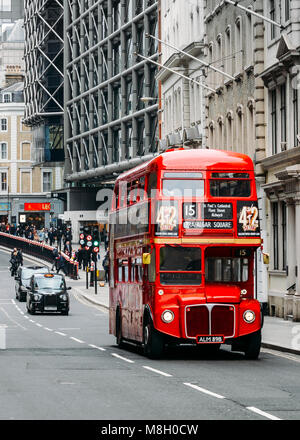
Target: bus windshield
[
  {"x": 226, "y": 270},
  {"x": 183, "y": 188},
  {"x": 230, "y": 188},
  {"x": 179, "y": 264}
]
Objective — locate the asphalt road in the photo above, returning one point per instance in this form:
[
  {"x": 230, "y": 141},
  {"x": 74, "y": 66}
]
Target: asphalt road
[{"x": 69, "y": 368}]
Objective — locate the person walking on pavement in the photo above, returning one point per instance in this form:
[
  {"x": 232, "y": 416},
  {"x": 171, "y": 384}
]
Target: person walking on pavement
[
  {"x": 54, "y": 257},
  {"x": 68, "y": 249},
  {"x": 19, "y": 258},
  {"x": 105, "y": 265},
  {"x": 61, "y": 263}
]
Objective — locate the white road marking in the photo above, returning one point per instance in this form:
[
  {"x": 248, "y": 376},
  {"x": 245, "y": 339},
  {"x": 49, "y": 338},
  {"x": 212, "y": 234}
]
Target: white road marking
[
  {"x": 98, "y": 348},
  {"x": 48, "y": 329},
  {"x": 262, "y": 413},
  {"x": 60, "y": 333},
  {"x": 39, "y": 325},
  {"x": 122, "y": 358},
  {"x": 158, "y": 371},
  {"x": 26, "y": 317},
  {"x": 31, "y": 320},
  {"x": 77, "y": 340},
  {"x": 13, "y": 301},
  {"x": 203, "y": 390},
  {"x": 12, "y": 320}
]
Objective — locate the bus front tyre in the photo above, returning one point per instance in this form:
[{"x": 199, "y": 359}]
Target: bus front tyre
[
  {"x": 153, "y": 342},
  {"x": 252, "y": 346}
]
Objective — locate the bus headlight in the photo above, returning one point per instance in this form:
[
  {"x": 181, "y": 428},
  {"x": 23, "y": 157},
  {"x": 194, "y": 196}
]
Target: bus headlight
[
  {"x": 167, "y": 316},
  {"x": 249, "y": 316},
  {"x": 160, "y": 292}
]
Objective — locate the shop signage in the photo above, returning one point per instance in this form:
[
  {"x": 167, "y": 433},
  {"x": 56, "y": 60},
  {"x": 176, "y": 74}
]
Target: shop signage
[
  {"x": 4, "y": 206},
  {"x": 37, "y": 207}
]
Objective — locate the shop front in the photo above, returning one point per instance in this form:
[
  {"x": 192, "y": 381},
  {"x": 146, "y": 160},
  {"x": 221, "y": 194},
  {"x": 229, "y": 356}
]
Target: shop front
[{"x": 35, "y": 214}]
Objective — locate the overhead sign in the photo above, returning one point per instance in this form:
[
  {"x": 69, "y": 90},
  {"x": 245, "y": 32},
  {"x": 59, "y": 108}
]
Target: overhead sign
[{"x": 37, "y": 206}]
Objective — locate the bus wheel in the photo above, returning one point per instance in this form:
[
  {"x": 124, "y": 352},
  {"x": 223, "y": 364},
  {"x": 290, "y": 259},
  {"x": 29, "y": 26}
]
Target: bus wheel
[
  {"x": 153, "y": 342},
  {"x": 252, "y": 345},
  {"x": 119, "y": 338}
]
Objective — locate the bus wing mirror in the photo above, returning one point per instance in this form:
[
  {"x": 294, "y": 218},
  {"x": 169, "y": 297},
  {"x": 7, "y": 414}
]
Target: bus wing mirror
[
  {"x": 147, "y": 259},
  {"x": 266, "y": 258}
]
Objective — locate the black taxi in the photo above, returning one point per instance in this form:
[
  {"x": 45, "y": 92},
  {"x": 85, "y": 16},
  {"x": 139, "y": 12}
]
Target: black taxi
[
  {"x": 48, "y": 293},
  {"x": 23, "y": 277}
]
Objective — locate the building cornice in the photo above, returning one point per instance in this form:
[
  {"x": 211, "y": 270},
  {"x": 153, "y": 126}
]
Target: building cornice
[{"x": 288, "y": 157}]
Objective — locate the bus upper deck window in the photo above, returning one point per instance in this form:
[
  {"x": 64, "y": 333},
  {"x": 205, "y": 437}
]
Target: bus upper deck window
[
  {"x": 152, "y": 184},
  {"x": 230, "y": 188}
]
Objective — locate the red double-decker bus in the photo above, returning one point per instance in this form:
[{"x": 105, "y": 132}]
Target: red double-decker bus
[{"x": 184, "y": 230}]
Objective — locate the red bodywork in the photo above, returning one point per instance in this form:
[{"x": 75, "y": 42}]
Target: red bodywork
[{"x": 208, "y": 308}]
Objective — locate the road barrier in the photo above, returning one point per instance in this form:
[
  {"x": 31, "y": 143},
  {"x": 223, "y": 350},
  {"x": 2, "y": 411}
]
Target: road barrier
[{"x": 39, "y": 250}]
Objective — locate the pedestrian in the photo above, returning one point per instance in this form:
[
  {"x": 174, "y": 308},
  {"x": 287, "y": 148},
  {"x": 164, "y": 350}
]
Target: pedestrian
[
  {"x": 54, "y": 257},
  {"x": 20, "y": 257},
  {"x": 61, "y": 263},
  {"x": 14, "y": 262},
  {"x": 79, "y": 256},
  {"x": 68, "y": 249},
  {"x": 105, "y": 265}
]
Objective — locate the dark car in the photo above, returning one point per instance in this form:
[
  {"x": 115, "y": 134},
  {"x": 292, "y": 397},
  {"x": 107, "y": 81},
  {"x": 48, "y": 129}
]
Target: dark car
[
  {"x": 23, "y": 277},
  {"x": 48, "y": 293}
]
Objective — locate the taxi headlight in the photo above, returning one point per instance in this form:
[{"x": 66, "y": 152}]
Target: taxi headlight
[
  {"x": 167, "y": 316},
  {"x": 249, "y": 316},
  {"x": 63, "y": 297},
  {"x": 36, "y": 297}
]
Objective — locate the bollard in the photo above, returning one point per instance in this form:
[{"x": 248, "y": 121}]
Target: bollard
[{"x": 2, "y": 337}]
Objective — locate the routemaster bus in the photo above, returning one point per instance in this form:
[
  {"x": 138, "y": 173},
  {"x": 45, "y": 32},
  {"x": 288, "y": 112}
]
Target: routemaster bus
[{"x": 184, "y": 230}]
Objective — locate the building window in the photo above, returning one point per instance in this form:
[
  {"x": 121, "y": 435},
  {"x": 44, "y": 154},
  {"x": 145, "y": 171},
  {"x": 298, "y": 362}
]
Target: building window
[
  {"x": 3, "y": 151},
  {"x": 275, "y": 236},
  {"x": 4, "y": 124},
  {"x": 295, "y": 117},
  {"x": 238, "y": 46},
  {"x": 26, "y": 151},
  {"x": 274, "y": 121},
  {"x": 284, "y": 235},
  {"x": 5, "y": 5},
  {"x": 287, "y": 10},
  {"x": 7, "y": 97},
  {"x": 228, "y": 50},
  {"x": 3, "y": 180},
  {"x": 47, "y": 181},
  {"x": 283, "y": 113},
  {"x": 272, "y": 17}
]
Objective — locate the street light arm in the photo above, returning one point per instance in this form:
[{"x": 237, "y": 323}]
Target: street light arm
[
  {"x": 176, "y": 73},
  {"x": 250, "y": 11},
  {"x": 190, "y": 56}
]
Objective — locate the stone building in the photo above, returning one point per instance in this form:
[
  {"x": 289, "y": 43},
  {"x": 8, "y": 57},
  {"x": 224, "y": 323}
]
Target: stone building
[
  {"x": 282, "y": 162},
  {"x": 25, "y": 190},
  {"x": 182, "y": 101},
  {"x": 235, "y": 112}
]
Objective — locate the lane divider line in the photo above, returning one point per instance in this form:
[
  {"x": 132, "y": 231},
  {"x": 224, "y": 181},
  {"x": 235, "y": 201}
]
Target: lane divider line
[
  {"x": 97, "y": 348},
  {"x": 157, "y": 371},
  {"x": 122, "y": 358},
  {"x": 262, "y": 413},
  {"x": 60, "y": 333},
  {"x": 203, "y": 390},
  {"x": 77, "y": 340},
  {"x": 48, "y": 329},
  {"x": 39, "y": 325}
]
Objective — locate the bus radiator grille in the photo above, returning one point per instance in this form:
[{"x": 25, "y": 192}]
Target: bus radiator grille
[{"x": 212, "y": 320}]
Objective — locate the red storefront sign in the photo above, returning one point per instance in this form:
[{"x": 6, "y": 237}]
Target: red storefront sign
[{"x": 37, "y": 206}]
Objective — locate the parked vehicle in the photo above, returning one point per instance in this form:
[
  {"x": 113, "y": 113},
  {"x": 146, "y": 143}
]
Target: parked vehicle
[
  {"x": 23, "y": 277},
  {"x": 48, "y": 293}
]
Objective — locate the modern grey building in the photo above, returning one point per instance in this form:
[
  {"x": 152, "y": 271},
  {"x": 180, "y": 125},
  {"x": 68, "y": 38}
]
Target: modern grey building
[
  {"x": 44, "y": 83},
  {"x": 108, "y": 128}
]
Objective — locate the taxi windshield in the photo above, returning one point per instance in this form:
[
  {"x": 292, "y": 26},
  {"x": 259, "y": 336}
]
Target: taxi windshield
[{"x": 53, "y": 283}]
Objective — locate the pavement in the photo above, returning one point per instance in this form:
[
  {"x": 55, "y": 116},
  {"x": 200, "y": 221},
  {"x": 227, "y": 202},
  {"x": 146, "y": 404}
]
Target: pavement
[{"x": 277, "y": 333}]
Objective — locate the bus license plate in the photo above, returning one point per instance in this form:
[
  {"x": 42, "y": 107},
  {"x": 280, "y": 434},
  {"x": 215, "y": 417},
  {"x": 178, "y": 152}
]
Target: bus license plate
[{"x": 216, "y": 339}]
